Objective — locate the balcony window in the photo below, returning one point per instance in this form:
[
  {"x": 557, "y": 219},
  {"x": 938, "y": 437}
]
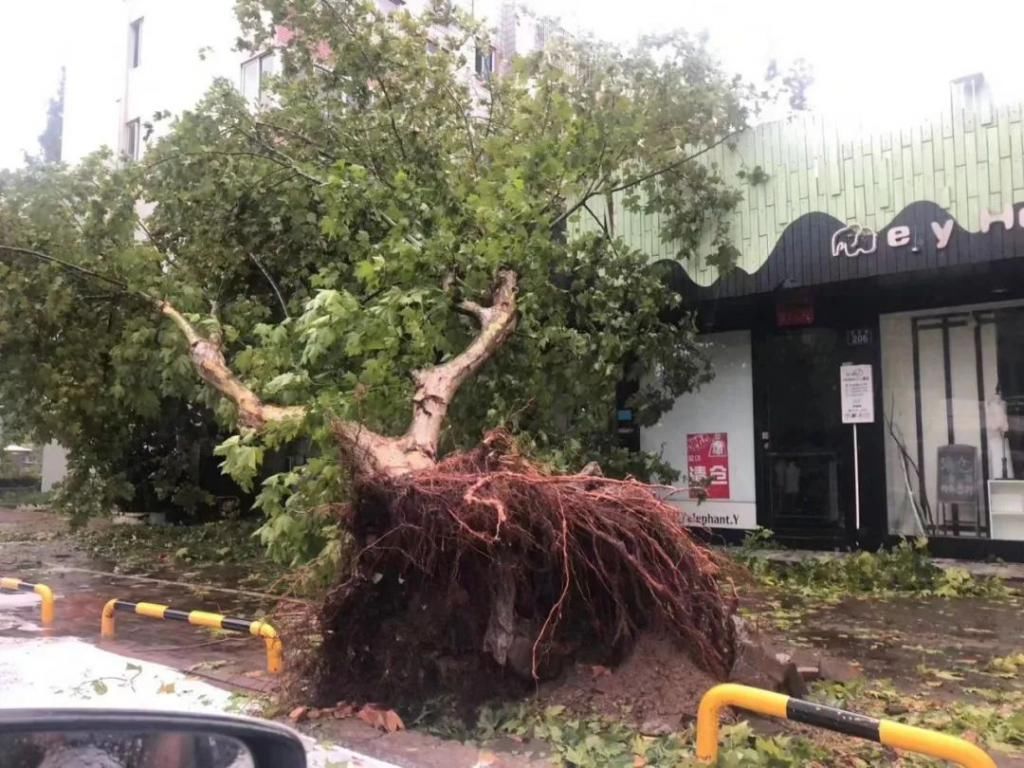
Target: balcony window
[
  {"x": 484, "y": 61},
  {"x": 135, "y": 44},
  {"x": 255, "y": 73},
  {"x": 132, "y": 140}
]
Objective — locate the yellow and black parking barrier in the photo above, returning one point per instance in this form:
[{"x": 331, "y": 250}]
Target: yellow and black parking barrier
[
  {"x": 887, "y": 732},
  {"x": 275, "y": 650},
  {"x": 44, "y": 592}
]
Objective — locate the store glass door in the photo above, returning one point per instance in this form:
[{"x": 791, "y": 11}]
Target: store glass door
[{"x": 806, "y": 452}]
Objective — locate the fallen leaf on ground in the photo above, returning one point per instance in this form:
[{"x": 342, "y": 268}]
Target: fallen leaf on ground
[
  {"x": 298, "y": 714},
  {"x": 208, "y": 665},
  {"x": 166, "y": 688},
  {"x": 383, "y": 719}
]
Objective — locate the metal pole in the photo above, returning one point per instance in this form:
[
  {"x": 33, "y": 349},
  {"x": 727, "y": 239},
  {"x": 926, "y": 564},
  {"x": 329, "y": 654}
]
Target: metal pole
[{"x": 856, "y": 482}]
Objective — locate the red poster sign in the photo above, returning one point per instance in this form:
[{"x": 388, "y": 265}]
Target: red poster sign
[
  {"x": 707, "y": 460},
  {"x": 794, "y": 315}
]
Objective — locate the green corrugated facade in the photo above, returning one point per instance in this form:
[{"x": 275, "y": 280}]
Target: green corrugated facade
[{"x": 960, "y": 161}]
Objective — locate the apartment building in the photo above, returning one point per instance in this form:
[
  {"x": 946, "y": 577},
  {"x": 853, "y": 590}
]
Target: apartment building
[
  {"x": 150, "y": 56},
  {"x": 145, "y": 56},
  {"x": 162, "y": 55},
  {"x": 521, "y": 31}
]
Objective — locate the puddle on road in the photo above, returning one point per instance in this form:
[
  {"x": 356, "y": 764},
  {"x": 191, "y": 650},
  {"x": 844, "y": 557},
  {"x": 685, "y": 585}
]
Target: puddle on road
[
  {"x": 12, "y": 620},
  {"x": 223, "y": 657}
]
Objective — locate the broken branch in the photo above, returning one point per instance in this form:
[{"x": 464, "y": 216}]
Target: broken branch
[
  {"x": 369, "y": 452},
  {"x": 436, "y": 387},
  {"x": 208, "y": 360}
]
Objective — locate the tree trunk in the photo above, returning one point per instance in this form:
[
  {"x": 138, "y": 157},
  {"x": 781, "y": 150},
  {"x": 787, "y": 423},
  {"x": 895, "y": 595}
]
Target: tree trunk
[
  {"x": 369, "y": 452},
  {"x": 436, "y": 387}
]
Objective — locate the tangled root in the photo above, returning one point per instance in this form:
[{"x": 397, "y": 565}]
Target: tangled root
[{"x": 488, "y": 567}]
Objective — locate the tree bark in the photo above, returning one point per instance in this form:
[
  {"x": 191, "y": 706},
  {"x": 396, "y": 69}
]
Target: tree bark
[
  {"x": 369, "y": 452},
  {"x": 436, "y": 387},
  {"x": 208, "y": 360}
]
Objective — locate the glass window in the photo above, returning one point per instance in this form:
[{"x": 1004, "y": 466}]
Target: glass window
[
  {"x": 954, "y": 400},
  {"x": 251, "y": 79},
  {"x": 135, "y": 43},
  {"x": 484, "y": 61},
  {"x": 133, "y": 139},
  {"x": 1007, "y": 399},
  {"x": 255, "y": 72},
  {"x": 268, "y": 68}
]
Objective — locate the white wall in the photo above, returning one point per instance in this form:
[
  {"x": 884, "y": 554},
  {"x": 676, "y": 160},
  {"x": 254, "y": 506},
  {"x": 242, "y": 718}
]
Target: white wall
[
  {"x": 172, "y": 76},
  {"x": 726, "y": 404},
  {"x": 95, "y": 81},
  {"x": 55, "y": 465},
  {"x": 103, "y": 92}
]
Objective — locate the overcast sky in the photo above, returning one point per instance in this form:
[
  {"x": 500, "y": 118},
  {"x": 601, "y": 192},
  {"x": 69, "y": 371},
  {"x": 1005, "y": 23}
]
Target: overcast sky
[{"x": 874, "y": 61}]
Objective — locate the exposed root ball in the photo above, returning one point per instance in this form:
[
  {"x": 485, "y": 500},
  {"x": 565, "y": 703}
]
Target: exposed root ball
[{"x": 487, "y": 565}]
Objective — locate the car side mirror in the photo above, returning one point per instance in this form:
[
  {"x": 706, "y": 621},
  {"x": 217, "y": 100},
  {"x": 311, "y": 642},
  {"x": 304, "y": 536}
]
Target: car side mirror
[{"x": 69, "y": 738}]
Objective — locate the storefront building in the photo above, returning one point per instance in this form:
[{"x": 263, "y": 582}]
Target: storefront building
[{"x": 901, "y": 253}]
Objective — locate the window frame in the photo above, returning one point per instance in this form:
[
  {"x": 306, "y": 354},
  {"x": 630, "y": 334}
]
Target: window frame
[
  {"x": 135, "y": 43},
  {"x": 132, "y": 140},
  {"x": 489, "y": 57},
  {"x": 257, "y": 60}
]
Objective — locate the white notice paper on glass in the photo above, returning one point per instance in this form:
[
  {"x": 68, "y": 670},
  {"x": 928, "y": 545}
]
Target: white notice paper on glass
[{"x": 858, "y": 394}]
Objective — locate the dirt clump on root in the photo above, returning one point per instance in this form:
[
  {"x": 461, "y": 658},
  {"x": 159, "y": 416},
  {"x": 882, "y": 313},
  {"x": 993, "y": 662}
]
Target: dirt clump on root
[
  {"x": 656, "y": 683},
  {"x": 487, "y": 574}
]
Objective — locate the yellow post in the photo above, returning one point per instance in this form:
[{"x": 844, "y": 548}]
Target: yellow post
[
  {"x": 47, "y": 610},
  {"x": 275, "y": 648},
  {"x": 107, "y": 626},
  {"x": 731, "y": 695},
  {"x": 44, "y": 592},
  {"x": 895, "y": 735},
  {"x": 933, "y": 744}
]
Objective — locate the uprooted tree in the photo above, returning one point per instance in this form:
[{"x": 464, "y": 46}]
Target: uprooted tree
[{"x": 379, "y": 273}]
